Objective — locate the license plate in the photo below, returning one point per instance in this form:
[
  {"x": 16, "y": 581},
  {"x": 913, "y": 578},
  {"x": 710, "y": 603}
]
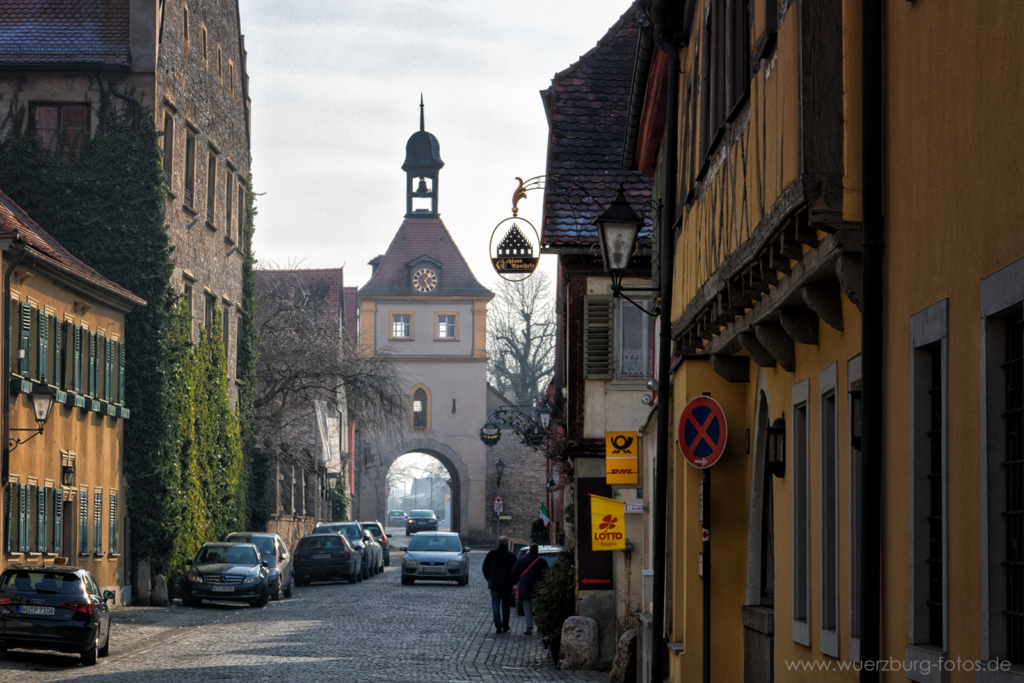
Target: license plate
[
  {"x": 223, "y": 589},
  {"x": 433, "y": 570},
  {"x": 326, "y": 556},
  {"x": 30, "y": 609}
]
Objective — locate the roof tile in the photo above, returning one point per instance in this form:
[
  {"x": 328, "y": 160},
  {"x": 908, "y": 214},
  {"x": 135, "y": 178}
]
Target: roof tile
[{"x": 64, "y": 31}]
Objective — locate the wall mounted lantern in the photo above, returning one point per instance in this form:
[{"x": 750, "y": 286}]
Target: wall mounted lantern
[
  {"x": 42, "y": 403},
  {"x": 544, "y": 413},
  {"x": 617, "y": 231},
  {"x": 500, "y": 469},
  {"x": 776, "y": 460}
]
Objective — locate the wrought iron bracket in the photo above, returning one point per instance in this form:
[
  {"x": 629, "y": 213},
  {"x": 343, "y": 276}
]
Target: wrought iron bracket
[{"x": 14, "y": 443}]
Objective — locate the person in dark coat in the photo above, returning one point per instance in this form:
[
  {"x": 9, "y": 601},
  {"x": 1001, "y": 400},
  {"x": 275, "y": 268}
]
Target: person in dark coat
[
  {"x": 498, "y": 572},
  {"x": 529, "y": 571}
]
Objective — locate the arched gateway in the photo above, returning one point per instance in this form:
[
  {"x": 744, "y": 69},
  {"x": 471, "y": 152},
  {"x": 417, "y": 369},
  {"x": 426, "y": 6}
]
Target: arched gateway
[{"x": 425, "y": 307}]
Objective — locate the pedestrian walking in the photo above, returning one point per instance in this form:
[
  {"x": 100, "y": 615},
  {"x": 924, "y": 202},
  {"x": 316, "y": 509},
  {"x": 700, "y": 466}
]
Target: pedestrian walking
[
  {"x": 498, "y": 572},
  {"x": 529, "y": 571}
]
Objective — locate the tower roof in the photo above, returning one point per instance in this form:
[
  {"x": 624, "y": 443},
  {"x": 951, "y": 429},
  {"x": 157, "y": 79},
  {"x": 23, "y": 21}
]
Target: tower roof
[
  {"x": 419, "y": 237},
  {"x": 423, "y": 150}
]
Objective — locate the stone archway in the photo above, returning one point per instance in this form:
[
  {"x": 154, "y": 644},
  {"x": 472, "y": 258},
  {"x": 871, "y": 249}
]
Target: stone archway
[{"x": 457, "y": 470}]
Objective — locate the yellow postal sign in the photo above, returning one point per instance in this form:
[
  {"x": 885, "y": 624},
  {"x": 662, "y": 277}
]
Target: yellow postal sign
[
  {"x": 607, "y": 528},
  {"x": 620, "y": 458}
]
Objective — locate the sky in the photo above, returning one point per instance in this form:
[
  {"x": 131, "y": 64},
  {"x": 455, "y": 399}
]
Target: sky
[{"x": 335, "y": 88}]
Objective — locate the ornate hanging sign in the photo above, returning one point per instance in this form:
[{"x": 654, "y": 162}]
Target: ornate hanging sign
[{"x": 515, "y": 243}]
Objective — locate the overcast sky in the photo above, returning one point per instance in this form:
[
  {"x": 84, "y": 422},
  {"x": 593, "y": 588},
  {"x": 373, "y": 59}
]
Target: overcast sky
[{"x": 335, "y": 87}]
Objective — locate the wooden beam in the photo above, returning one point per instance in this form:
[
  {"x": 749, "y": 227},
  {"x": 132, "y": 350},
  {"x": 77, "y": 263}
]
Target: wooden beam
[
  {"x": 754, "y": 349},
  {"x": 735, "y": 369},
  {"x": 776, "y": 261},
  {"x": 803, "y": 233},
  {"x": 851, "y": 276},
  {"x": 788, "y": 246},
  {"x": 800, "y": 324},
  {"x": 825, "y": 301},
  {"x": 779, "y": 344}
]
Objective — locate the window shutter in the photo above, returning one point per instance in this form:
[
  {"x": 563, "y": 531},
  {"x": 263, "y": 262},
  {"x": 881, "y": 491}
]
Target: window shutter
[
  {"x": 25, "y": 335},
  {"x": 92, "y": 366},
  {"x": 120, "y": 372},
  {"x": 112, "y": 542},
  {"x": 76, "y": 360},
  {"x": 83, "y": 522},
  {"x": 598, "y": 323},
  {"x": 58, "y": 518},
  {"x": 108, "y": 370},
  {"x": 26, "y": 492},
  {"x": 58, "y": 353},
  {"x": 42, "y": 496},
  {"x": 97, "y": 519},
  {"x": 10, "y": 333},
  {"x": 43, "y": 325},
  {"x": 10, "y": 494}
]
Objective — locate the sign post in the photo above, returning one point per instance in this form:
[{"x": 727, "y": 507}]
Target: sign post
[
  {"x": 703, "y": 433},
  {"x": 499, "y": 507}
]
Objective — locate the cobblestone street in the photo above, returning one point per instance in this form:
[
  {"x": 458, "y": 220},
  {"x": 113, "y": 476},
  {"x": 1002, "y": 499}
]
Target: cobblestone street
[{"x": 377, "y": 630}]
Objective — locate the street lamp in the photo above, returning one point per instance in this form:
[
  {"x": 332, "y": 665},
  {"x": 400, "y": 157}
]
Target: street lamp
[
  {"x": 617, "y": 230},
  {"x": 42, "y": 403},
  {"x": 544, "y": 412},
  {"x": 500, "y": 468},
  {"x": 776, "y": 456}
]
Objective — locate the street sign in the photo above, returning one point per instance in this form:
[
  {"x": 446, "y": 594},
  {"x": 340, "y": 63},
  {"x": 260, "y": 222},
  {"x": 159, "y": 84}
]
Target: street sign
[
  {"x": 498, "y": 509},
  {"x": 702, "y": 432},
  {"x": 632, "y": 508},
  {"x": 498, "y": 500}
]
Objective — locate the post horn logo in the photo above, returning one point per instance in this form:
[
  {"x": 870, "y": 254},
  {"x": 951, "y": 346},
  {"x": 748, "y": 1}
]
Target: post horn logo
[{"x": 621, "y": 443}]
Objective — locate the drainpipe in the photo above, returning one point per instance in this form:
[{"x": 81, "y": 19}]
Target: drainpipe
[
  {"x": 17, "y": 253},
  {"x": 666, "y": 245},
  {"x": 112, "y": 84},
  {"x": 871, "y": 335}
]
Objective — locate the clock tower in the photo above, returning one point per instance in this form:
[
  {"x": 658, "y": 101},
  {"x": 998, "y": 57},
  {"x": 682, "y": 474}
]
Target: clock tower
[{"x": 424, "y": 307}]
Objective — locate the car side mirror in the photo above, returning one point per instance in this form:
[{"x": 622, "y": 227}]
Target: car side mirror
[
  {"x": 466, "y": 549},
  {"x": 265, "y": 563},
  {"x": 108, "y": 595},
  {"x": 188, "y": 562}
]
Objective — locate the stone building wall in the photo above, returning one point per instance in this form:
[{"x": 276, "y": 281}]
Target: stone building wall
[
  {"x": 204, "y": 96},
  {"x": 522, "y": 487}
]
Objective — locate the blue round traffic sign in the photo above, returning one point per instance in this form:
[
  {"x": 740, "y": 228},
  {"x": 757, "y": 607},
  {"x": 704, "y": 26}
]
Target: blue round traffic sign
[{"x": 702, "y": 432}]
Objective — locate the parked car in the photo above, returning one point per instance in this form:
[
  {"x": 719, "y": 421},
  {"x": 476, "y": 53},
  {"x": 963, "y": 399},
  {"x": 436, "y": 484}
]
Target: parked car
[
  {"x": 371, "y": 553},
  {"x": 54, "y": 608},
  {"x": 378, "y": 550},
  {"x": 377, "y": 529},
  {"x": 226, "y": 572},
  {"x": 324, "y": 556},
  {"x": 273, "y": 549},
  {"x": 420, "y": 520},
  {"x": 397, "y": 517},
  {"x": 436, "y": 555},
  {"x": 549, "y": 553}
]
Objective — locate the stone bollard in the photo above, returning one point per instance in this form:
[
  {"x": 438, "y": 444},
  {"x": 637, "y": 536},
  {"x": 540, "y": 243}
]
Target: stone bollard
[
  {"x": 159, "y": 597},
  {"x": 142, "y": 582},
  {"x": 579, "y": 644},
  {"x": 624, "y": 666}
]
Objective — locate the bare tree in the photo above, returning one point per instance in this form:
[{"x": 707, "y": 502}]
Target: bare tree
[
  {"x": 304, "y": 355},
  {"x": 521, "y": 339}
]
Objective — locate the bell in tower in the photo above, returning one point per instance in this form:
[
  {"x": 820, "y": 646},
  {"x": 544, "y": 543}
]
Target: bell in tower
[{"x": 422, "y": 164}]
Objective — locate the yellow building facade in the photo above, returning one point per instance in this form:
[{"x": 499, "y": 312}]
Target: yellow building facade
[
  {"x": 63, "y": 486},
  {"x": 768, "y": 292}
]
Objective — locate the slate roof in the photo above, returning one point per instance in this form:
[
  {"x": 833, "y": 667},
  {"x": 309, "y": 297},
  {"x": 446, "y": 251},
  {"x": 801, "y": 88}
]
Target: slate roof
[
  {"x": 323, "y": 284},
  {"x": 14, "y": 222},
  {"x": 588, "y": 107},
  {"x": 351, "y": 305},
  {"x": 423, "y": 237},
  {"x": 34, "y": 32}
]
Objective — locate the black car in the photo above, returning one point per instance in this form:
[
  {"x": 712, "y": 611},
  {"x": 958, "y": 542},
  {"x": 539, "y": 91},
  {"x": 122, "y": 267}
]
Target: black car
[
  {"x": 420, "y": 520},
  {"x": 377, "y": 529},
  {"x": 227, "y": 572},
  {"x": 273, "y": 549},
  {"x": 356, "y": 536},
  {"x": 54, "y": 608},
  {"x": 326, "y": 556}
]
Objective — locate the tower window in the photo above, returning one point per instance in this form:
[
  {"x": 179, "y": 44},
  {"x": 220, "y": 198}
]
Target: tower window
[
  {"x": 401, "y": 326},
  {"x": 420, "y": 409},
  {"x": 447, "y": 326}
]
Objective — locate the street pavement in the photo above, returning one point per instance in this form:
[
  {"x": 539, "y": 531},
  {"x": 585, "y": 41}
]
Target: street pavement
[{"x": 377, "y": 630}]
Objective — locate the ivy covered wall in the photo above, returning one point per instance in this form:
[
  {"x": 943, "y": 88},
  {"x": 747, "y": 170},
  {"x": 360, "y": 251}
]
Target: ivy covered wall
[{"x": 185, "y": 473}]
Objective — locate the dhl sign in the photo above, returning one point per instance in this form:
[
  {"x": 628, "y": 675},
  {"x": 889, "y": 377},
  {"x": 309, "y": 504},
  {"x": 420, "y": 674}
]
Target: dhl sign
[{"x": 620, "y": 457}]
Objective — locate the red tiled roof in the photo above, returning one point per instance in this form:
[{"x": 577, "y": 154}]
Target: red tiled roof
[
  {"x": 14, "y": 222},
  {"x": 588, "y": 105},
  {"x": 351, "y": 305},
  {"x": 423, "y": 237},
  {"x": 64, "y": 31}
]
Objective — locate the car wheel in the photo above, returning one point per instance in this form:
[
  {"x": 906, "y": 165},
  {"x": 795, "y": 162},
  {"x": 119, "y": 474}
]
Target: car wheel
[
  {"x": 187, "y": 601},
  {"x": 366, "y": 573},
  {"x": 387, "y": 560},
  {"x": 406, "y": 581},
  {"x": 89, "y": 656},
  {"x": 105, "y": 650},
  {"x": 461, "y": 582},
  {"x": 288, "y": 590},
  {"x": 264, "y": 597},
  {"x": 279, "y": 593}
]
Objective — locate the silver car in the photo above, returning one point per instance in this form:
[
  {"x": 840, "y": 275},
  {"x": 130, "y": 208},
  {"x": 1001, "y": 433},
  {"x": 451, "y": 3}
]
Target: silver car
[{"x": 436, "y": 556}]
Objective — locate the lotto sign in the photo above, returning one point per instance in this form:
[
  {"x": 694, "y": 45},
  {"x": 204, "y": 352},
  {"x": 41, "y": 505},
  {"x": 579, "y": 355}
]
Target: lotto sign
[
  {"x": 702, "y": 432},
  {"x": 606, "y": 524},
  {"x": 620, "y": 458}
]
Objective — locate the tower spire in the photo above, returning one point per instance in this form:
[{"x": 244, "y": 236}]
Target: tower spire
[{"x": 421, "y": 112}]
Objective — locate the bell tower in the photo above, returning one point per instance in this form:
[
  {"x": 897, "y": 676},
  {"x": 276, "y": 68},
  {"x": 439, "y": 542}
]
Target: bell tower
[{"x": 422, "y": 165}]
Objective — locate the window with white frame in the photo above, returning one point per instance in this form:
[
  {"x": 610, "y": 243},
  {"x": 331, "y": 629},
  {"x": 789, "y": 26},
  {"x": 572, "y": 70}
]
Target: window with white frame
[
  {"x": 635, "y": 341},
  {"x": 446, "y": 326},
  {"x": 829, "y": 511},
  {"x": 801, "y": 631},
  {"x": 401, "y": 326}
]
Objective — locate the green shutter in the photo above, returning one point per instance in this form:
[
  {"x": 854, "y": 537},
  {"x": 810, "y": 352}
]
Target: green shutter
[
  {"x": 76, "y": 360},
  {"x": 97, "y": 519},
  {"x": 58, "y": 353},
  {"x": 43, "y": 327},
  {"x": 91, "y": 391},
  {"x": 25, "y": 337},
  {"x": 83, "y": 522},
  {"x": 10, "y": 493},
  {"x": 10, "y": 334},
  {"x": 120, "y": 373},
  {"x": 58, "y": 518},
  {"x": 598, "y": 328},
  {"x": 112, "y": 538},
  {"x": 108, "y": 370},
  {"x": 23, "y": 517},
  {"x": 42, "y": 496}
]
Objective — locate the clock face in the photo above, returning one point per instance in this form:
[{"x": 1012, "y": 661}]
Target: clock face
[{"x": 424, "y": 280}]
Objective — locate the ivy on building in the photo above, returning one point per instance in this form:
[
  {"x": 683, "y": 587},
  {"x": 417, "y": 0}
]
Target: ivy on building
[{"x": 185, "y": 473}]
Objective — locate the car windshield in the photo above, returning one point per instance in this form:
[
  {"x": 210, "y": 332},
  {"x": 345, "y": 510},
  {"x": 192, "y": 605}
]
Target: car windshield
[
  {"x": 232, "y": 554},
  {"x": 318, "y": 543},
  {"x": 42, "y": 582},
  {"x": 421, "y": 513},
  {"x": 374, "y": 529},
  {"x": 350, "y": 530},
  {"x": 436, "y": 544},
  {"x": 264, "y": 543}
]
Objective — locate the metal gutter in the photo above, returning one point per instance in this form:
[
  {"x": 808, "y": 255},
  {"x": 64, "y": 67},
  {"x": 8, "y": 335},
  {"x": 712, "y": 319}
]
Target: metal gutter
[{"x": 637, "y": 93}]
